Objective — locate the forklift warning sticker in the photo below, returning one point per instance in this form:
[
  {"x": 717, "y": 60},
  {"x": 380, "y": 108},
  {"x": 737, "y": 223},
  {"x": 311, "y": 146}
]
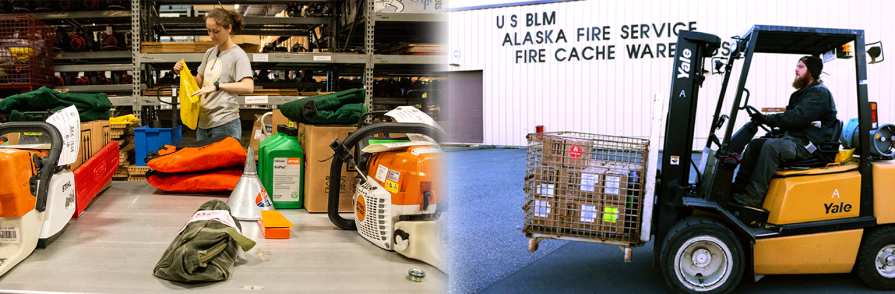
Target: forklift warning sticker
[
  {"x": 588, "y": 182},
  {"x": 9, "y": 235},
  {"x": 675, "y": 160},
  {"x": 542, "y": 208},
  {"x": 381, "y": 172}
]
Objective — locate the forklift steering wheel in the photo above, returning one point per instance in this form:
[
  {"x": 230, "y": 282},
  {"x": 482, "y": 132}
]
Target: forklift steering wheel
[{"x": 751, "y": 110}]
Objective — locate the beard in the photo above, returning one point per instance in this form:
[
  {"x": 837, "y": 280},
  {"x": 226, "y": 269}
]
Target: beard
[{"x": 800, "y": 82}]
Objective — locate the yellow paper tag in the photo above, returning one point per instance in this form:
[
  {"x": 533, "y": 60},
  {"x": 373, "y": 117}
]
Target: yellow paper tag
[{"x": 610, "y": 214}]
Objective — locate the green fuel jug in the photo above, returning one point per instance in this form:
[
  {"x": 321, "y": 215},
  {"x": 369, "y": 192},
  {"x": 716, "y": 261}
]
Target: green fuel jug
[{"x": 285, "y": 164}]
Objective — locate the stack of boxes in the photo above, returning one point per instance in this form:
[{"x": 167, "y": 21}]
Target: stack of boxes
[
  {"x": 575, "y": 190},
  {"x": 123, "y": 134}
]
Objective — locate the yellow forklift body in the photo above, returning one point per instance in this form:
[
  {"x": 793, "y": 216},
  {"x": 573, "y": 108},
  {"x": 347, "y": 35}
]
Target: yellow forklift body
[
  {"x": 883, "y": 196},
  {"x": 833, "y": 252},
  {"x": 814, "y": 195}
]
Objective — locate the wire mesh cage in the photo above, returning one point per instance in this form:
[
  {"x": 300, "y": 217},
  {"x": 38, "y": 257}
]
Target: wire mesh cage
[
  {"x": 26, "y": 53},
  {"x": 585, "y": 185}
]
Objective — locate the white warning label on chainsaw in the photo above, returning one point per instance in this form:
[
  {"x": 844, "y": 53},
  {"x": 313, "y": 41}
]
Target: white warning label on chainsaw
[
  {"x": 381, "y": 172},
  {"x": 394, "y": 175},
  {"x": 9, "y": 235},
  {"x": 588, "y": 182},
  {"x": 542, "y": 208}
]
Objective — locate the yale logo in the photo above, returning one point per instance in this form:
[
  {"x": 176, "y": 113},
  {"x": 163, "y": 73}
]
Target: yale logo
[
  {"x": 837, "y": 208},
  {"x": 683, "y": 71}
]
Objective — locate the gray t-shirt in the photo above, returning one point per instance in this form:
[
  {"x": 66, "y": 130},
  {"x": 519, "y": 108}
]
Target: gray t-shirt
[{"x": 228, "y": 66}]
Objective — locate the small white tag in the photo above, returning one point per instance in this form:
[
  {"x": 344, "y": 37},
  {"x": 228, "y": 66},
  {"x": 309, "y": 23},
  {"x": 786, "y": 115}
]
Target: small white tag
[
  {"x": 811, "y": 147},
  {"x": 816, "y": 124},
  {"x": 546, "y": 190},
  {"x": 221, "y": 216},
  {"x": 542, "y": 208},
  {"x": 612, "y": 184},
  {"x": 323, "y": 58},
  {"x": 256, "y": 100},
  {"x": 259, "y": 57},
  {"x": 418, "y": 151},
  {"x": 394, "y": 175},
  {"x": 588, "y": 182},
  {"x": 588, "y": 213},
  {"x": 381, "y": 172},
  {"x": 9, "y": 235},
  {"x": 258, "y": 135},
  {"x": 109, "y": 30}
]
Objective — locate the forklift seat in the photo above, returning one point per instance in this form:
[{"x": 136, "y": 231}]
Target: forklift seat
[{"x": 830, "y": 149}]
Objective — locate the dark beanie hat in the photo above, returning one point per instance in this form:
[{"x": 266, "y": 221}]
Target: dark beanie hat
[{"x": 815, "y": 65}]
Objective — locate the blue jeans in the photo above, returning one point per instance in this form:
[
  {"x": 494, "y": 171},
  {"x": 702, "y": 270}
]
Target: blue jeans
[{"x": 232, "y": 128}]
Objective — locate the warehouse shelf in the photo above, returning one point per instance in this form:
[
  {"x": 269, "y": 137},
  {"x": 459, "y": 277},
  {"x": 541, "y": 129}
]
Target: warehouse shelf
[
  {"x": 82, "y": 15},
  {"x": 410, "y": 17},
  {"x": 410, "y": 59},
  {"x": 97, "y": 88},
  {"x": 265, "y": 26},
  {"x": 93, "y": 67},
  {"x": 241, "y": 100},
  {"x": 309, "y": 58},
  {"x": 122, "y": 100},
  {"x": 93, "y": 55}
]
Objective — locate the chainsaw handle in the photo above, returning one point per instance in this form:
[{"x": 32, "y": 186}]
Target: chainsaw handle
[
  {"x": 335, "y": 171},
  {"x": 49, "y": 162}
]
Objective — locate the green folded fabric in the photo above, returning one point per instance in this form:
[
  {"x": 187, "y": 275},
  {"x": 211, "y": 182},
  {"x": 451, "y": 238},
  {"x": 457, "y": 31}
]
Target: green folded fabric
[
  {"x": 344, "y": 107},
  {"x": 205, "y": 251},
  {"x": 90, "y": 106}
]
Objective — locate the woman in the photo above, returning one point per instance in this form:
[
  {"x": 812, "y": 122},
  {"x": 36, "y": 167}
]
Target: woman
[{"x": 225, "y": 72}]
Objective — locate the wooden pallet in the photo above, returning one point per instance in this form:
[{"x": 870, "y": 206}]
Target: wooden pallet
[{"x": 139, "y": 171}]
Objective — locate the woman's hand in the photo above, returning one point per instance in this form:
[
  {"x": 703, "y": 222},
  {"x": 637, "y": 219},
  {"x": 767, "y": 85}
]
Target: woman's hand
[
  {"x": 178, "y": 66},
  {"x": 204, "y": 90}
]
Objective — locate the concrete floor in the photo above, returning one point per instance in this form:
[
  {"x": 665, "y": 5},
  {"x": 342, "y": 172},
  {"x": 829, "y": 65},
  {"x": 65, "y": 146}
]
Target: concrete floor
[
  {"x": 489, "y": 254},
  {"x": 115, "y": 244}
]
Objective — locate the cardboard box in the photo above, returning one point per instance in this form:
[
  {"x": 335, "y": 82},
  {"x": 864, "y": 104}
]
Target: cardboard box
[
  {"x": 615, "y": 188},
  {"x": 315, "y": 141},
  {"x": 594, "y": 216},
  {"x": 85, "y": 146},
  {"x": 279, "y": 119},
  {"x": 257, "y": 134},
  {"x": 545, "y": 181},
  {"x": 543, "y": 213},
  {"x": 568, "y": 152},
  {"x": 583, "y": 184},
  {"x": 101, "y": 133}
]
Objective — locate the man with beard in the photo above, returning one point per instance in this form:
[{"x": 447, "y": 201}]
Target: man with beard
[{"x": 810, "y": 118}]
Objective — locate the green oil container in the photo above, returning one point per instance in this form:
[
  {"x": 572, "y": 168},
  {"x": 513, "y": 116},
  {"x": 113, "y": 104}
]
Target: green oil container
[
  {"x": 285, "y": 164},
  {"x": 262, "y": 147}
]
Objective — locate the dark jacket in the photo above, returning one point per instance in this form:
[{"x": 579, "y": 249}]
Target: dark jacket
[{"x": 810, "y": 104}]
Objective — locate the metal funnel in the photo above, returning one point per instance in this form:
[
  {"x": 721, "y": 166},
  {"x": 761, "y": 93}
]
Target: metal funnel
[{"x": 249, "y": 196}]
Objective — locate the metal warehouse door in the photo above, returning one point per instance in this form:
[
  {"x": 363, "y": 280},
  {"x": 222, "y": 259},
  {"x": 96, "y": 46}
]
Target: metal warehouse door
[{"x": 464, "y": 107}]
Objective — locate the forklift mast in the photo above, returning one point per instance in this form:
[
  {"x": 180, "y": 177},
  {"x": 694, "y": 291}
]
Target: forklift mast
[{"x": 691, "y": 50}]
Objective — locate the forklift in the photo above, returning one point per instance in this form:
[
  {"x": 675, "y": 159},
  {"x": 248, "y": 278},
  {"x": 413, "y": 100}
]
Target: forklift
[{"x": 817, "y": 218}]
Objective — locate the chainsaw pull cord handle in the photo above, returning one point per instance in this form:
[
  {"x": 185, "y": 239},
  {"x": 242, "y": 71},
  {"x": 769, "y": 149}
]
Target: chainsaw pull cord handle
[
  {"x": 342, "y": 152},
  {"x": 49, "y": 161}
]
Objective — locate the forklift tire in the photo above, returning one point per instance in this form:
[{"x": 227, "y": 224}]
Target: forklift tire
[
  {"x": 876, "y": 259},
  {"x": 701, "y": 255}
]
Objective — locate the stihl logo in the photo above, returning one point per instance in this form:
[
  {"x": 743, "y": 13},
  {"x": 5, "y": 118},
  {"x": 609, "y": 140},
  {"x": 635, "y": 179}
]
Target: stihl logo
[
  {"x": 293, "y": 161},
  {"x": 837, "y": 208},
  {"x": 683, "y": 71}
]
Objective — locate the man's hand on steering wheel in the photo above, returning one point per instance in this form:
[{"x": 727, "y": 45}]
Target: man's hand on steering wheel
[{"x": 759, "y": 118}]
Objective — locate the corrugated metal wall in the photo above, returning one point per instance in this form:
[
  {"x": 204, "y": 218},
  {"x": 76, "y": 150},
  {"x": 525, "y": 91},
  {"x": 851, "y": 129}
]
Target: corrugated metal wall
[{"x": 613, "y": 97}]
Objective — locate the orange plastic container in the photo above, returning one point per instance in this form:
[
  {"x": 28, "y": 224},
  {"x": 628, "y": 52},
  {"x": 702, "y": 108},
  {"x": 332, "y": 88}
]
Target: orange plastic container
[{"x": 16, "y": 170}]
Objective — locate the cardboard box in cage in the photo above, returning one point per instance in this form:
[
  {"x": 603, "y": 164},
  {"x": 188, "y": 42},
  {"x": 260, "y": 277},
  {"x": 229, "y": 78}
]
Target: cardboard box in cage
[
  {"x": 543, "y": 181},
  {"x": 548, "y": 212},
  {"x": 583, "y": 184},
  {"x": 567, "y": 152},
  {"x": 594, "y": 216},
  {"x": 615, "y": 187}
]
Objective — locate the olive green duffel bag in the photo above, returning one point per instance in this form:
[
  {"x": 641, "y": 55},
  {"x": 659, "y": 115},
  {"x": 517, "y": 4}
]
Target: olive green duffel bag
[{"x": 206, "y": 248}]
